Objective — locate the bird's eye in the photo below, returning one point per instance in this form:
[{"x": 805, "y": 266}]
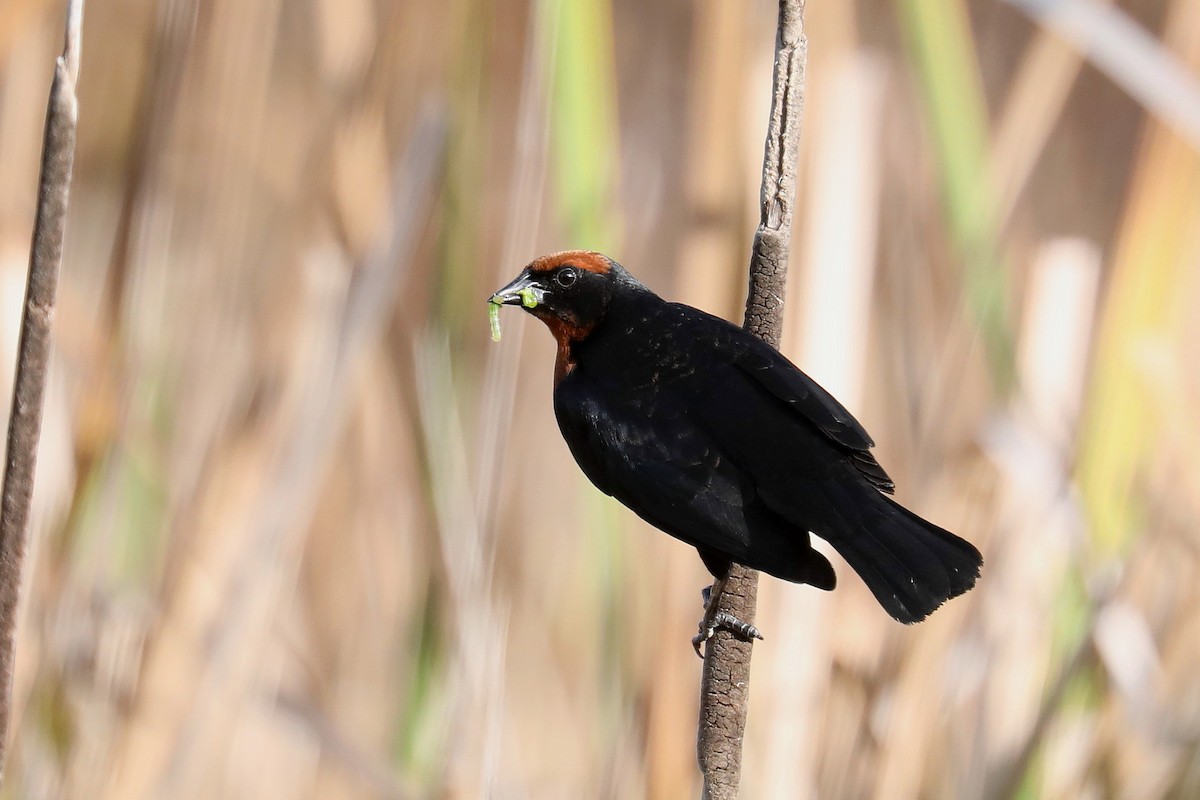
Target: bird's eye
[{"x": 565, "y": 277}]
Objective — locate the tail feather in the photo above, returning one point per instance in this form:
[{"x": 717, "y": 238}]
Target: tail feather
[{"x": 911, "y": 565}]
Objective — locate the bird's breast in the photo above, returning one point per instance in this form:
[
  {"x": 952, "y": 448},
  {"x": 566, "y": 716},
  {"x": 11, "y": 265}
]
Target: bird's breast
[
  {"x": 566, "y": 336},
  {"x": 564, "y": 361}
]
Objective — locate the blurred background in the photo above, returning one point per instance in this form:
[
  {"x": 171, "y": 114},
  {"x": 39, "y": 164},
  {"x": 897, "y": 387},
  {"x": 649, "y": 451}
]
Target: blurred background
[{"x": 302, "y": 530}]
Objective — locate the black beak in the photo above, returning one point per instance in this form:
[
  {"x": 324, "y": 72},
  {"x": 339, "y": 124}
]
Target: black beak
[{"x": 524, "y": 291}]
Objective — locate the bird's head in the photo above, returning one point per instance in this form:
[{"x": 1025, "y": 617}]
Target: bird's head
[{"x": 569, "y": 291}]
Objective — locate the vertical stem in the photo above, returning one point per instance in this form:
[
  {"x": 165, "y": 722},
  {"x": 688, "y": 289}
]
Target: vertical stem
[
  {"x": 725, "y": 685},
  {"x": 33, "y": 350}
]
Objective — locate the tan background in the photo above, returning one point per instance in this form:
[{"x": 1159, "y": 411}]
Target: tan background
[{"x": 303, "y": 531}]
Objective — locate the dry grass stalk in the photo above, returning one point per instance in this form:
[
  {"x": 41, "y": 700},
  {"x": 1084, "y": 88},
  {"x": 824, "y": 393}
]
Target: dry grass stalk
[
  {"x": 33, "y": 352},
  {"x": 725, "y": 685}
]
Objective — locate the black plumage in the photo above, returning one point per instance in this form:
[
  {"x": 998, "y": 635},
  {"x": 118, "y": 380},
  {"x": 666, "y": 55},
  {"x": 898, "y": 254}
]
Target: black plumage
[{"x": 712, "y": 436}]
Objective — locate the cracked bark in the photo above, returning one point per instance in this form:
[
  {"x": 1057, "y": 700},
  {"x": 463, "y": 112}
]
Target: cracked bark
[
  {"x": 33, "y": 349},
  {"x": 725, "y": 684}
]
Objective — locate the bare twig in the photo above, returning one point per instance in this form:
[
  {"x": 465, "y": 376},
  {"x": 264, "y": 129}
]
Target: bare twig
[
  {"x": 33, "y": 351},
  {"x": 725, "y": 686}
]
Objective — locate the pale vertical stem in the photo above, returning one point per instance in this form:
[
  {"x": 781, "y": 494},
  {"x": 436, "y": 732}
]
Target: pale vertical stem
[
  {"x": 725, "y": 685},
  {"x": 33, "y": 351},
  {"x": 713, "y": 181},
  {"x": 838, "y": 243},
  {"x": 1032, "y": 448}
]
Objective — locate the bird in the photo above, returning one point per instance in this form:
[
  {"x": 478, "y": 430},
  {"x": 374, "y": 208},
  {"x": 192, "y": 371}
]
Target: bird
[{"x": 711, "y": 435}]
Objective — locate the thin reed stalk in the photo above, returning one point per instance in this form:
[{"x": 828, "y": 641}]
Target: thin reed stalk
[
  {"x": 33, "y": 351},
  {"x": 725, "y": 684}
]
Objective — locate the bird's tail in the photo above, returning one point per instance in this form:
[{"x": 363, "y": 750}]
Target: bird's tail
[{"x": 911, "y": 565}]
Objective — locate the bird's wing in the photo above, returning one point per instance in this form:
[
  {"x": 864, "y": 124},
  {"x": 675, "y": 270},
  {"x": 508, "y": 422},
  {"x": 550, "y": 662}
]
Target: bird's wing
[
  {"x": 660, "y": 465},
  {"x": 786, "y": 382},
  {"x": 781, "y": 378}
]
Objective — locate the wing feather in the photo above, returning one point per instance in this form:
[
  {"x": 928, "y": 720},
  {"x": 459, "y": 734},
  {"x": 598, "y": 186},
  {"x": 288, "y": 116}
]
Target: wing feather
[{"x": 785, "y": 381}]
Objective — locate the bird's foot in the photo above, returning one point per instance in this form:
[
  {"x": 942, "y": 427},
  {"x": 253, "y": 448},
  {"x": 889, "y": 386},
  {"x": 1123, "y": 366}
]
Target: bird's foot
[
  {"x": 743, "y": 630},
  {"x": 714, "y": 620}
]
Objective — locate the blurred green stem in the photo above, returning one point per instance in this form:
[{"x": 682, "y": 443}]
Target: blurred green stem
[
  {"x": 938, "y": 33},
  {"x": 583, "y": 114}
]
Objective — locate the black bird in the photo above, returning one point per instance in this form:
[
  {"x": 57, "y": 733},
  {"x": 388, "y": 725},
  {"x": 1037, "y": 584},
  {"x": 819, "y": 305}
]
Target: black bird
[{"x": 709, "y": 434}]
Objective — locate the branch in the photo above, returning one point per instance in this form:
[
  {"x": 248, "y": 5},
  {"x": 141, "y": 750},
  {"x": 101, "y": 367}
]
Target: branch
[
  {"x": 725, "y": 685},
  {"x": 33, "y": 349}
]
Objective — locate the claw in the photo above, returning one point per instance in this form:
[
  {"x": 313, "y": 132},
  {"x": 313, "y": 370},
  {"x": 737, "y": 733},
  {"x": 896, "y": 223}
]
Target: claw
[
  {"x": 714, "y": 620},
  {"x": 700, "y": 638}
]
